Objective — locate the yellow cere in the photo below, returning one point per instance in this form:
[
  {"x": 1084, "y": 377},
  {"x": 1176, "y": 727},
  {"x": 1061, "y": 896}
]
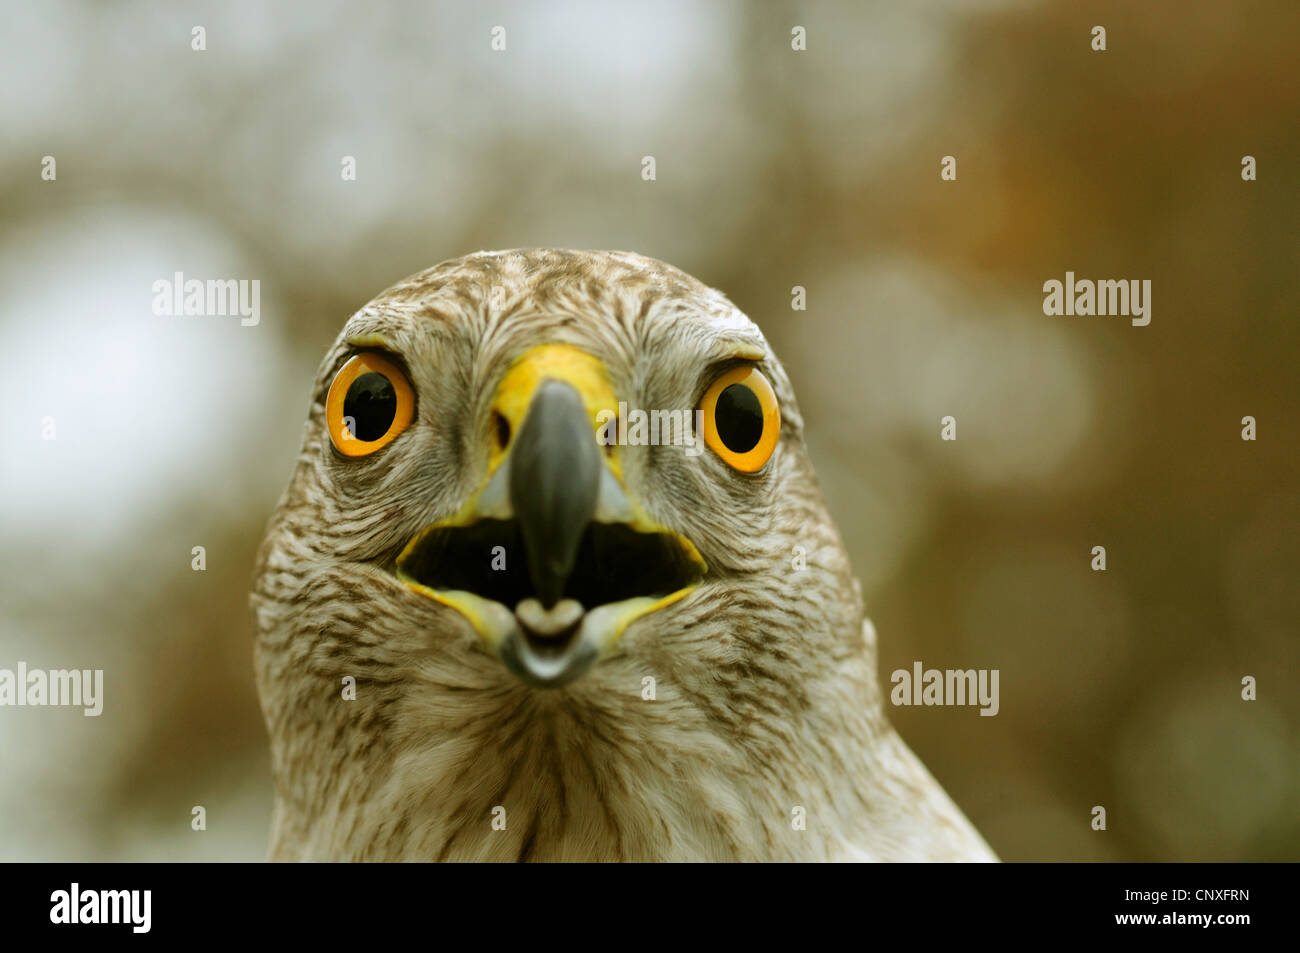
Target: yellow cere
[{"x": 562, "y": 362}]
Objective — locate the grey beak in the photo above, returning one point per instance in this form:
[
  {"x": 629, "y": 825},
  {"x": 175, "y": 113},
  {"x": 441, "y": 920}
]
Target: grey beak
[{"x": 555, "y": 469}]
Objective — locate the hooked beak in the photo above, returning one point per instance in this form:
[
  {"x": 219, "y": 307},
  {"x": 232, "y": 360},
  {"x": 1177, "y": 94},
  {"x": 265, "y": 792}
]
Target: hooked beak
[
  {"x": 554, "y": 477},
  {"x": 551, "y": 559}
]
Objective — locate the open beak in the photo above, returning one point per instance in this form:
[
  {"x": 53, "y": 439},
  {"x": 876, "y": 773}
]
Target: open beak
[{"x": 551, "y": 560}]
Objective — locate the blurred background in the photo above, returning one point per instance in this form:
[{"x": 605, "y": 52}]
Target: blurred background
[{"x": 775, "y": 168}]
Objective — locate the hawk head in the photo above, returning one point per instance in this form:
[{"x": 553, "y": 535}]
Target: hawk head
[{"x": 554, "y": 579}]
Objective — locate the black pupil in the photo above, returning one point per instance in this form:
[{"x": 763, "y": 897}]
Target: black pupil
[
  {"x": 739, "y": 418},
  {"x": 371, "y": 405}
]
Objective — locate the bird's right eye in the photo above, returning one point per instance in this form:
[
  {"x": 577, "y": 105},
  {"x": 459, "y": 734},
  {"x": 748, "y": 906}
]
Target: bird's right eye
[{"x": 370, "y": 402}]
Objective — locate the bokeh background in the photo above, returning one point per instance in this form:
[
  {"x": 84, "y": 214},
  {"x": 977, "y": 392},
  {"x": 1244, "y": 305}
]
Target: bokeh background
[{"x": 775, "y": 168}]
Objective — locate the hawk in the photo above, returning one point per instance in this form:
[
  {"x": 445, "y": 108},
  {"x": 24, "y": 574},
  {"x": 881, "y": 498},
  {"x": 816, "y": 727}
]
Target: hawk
[{"x": 493, "y": 621}]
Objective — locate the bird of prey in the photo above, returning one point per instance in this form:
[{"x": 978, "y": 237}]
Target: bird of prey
[{"x": 492, "y": 622}]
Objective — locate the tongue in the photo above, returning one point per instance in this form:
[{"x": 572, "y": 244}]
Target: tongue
[{"x": 553, "y": 623}]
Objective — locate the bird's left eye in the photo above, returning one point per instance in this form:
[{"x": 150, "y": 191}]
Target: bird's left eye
[
  {"x": 370, "y": 402},
  {"x": 741, "y": 419}
]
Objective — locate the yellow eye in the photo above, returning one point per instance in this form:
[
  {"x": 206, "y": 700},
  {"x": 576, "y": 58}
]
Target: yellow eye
[
  {"x": 741, "y": 419},
  {"x": 369, "y": 404}
]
